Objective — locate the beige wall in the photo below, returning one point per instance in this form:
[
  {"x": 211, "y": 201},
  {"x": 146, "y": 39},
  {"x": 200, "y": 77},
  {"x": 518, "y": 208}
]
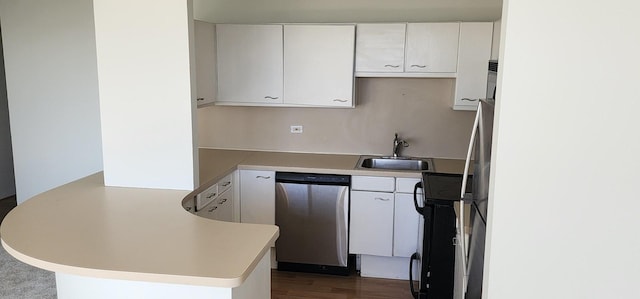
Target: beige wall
[{"x": 418, "y": 109}]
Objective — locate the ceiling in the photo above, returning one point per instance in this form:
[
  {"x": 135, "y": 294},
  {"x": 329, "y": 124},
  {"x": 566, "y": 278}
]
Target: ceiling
[{"x": 323, "y": 11}]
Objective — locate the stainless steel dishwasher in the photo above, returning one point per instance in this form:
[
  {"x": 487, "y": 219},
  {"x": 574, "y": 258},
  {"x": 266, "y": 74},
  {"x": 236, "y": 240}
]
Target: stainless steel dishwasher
[{"x": 312, "y": 213}]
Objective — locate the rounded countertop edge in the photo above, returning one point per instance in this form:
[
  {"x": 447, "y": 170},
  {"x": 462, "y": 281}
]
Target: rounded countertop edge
[
  {"x": 15, "y": 237},
  {"x": 131, "y": 276}
]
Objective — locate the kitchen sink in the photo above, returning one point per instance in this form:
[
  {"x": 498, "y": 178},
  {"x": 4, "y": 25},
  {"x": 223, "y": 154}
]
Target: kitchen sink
[{"x": 395, "y": 163}]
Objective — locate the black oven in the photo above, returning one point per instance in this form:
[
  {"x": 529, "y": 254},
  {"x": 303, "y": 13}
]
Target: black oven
[{"x": 437, "y": 251}]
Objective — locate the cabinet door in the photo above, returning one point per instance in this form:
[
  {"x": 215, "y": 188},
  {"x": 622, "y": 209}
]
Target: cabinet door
[
  {"x": 473, "y": 60},
  {"x": 249, "y": 59},
  {"x": 406, "y": 223},
  {"x": 225, "y": 206},
  {"x": 432, "y": 47},
  {"x": 318, "y": 65},
  {"x": 205, "y": 51},
  {"x": 257, "y": 197},
  {"x": 380, "y": 47},
  {"x": 371, "y": 224}
]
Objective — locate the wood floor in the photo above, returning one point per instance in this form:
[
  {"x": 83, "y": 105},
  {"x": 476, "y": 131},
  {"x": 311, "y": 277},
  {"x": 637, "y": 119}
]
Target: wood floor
[{"x": 289, "y": 285}]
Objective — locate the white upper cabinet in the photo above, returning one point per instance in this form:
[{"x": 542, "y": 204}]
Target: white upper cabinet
[
  {"x": 407, "y": 50},
  {"x": 380, "y": 47},
  {"x": 318, "y": 65},
  {"x": 473, "y": 60},
  {"x": 285, "y": 65},
  {"x": 250, "y": 63},
  {"x": 432, "y": 47},
  {"x": 205, "y": 51}
]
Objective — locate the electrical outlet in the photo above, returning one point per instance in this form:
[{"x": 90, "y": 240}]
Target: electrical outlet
[{"x": 296, "y": 129}]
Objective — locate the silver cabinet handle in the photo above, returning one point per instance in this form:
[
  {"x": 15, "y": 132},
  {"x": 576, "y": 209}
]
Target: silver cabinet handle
[
  {"x": 271, "y": 98},
  {"x": 263, "y": 177},
  {"x": 391, "y": 65},
  {"x": 340, "y": 100},
  {"x": 223, "y": 201},
  {"x": 200, "y": 99},
  {"x": 418, "y": 66},
  {"x": 382, "y": 199},
  {"x": 212, "y": 209},
  {"x": 211, "y": 195},
  {"x": 468, "y": 99},
  {"x": 226, "y": 184}
]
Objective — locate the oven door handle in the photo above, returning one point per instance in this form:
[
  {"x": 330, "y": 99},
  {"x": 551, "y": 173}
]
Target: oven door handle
[{"x": 419, "y": 209}]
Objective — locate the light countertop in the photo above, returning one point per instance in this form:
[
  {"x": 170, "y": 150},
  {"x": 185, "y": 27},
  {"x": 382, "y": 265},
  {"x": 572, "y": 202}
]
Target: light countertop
[
  {"x": 216, "y": 163},
  {"x": 84, "y": 228}
]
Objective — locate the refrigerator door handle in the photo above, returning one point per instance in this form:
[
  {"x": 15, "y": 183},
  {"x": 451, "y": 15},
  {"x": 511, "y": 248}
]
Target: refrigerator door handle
[
  {"x": 342, "y": 230},
  {"x": 463, "y": 190}
]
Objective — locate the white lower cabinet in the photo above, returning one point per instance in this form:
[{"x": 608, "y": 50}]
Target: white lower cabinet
[
  {"x": 390, "y": 267},
  {"x": 371, "y": 223},
  {"x": 219, "y": 209},
  {"x": 406, "y": 220},
  {"x": 219, "y": 201},
  {"x": 225, "y": 206},
  {"x": 405, "y": 226},
  {"x": 258, "y": 196},
  {"x": 384, "y": 226},
  {"x": 208, "y": 196}
]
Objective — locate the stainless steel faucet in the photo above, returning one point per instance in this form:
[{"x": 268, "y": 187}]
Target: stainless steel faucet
[{"x": 396, "y": 146}]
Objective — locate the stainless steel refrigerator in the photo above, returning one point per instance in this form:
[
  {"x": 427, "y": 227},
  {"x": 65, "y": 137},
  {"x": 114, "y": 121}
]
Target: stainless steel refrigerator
[{"x": 479, "y": 203}]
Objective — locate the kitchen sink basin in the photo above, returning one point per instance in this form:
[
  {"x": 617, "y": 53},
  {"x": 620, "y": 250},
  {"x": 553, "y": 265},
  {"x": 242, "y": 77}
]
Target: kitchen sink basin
[{"x": 395, "y": 163}]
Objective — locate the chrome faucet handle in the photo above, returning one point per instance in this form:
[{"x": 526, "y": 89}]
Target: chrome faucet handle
[{"x": 396, "y": 144}]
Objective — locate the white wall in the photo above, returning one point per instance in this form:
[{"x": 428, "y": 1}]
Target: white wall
[
  {"x": 147, "y": 99},
  {"x": 260, "y": 11},
  {"x": 7, "y": 180},
  {"x": 49, "y": 50},
  {"x": 563, "y": 221}
]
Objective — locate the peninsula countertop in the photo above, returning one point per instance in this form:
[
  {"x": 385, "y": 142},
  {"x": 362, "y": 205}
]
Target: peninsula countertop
[{"x": 84, "y": 228}]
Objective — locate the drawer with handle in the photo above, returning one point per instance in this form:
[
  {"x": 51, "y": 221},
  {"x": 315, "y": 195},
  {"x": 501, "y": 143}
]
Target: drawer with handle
[
  {"x": 225, "y": 183},
  {"x": 206, "y": 197}
]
